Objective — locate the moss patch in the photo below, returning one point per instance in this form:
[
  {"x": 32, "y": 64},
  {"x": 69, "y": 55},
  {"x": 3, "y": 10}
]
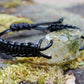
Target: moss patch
[
  {"x": 16, "y": 73},
  {"x": 37, "y": 73}
]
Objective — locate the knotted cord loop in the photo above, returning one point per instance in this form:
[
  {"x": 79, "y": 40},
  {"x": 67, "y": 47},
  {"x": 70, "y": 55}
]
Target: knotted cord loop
[
  {"x": 20, "y": 26},
  {"x": 23, "y": 26}
]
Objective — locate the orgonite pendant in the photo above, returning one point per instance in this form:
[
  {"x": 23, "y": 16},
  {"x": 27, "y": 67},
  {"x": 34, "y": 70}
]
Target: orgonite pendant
[{"x": 66, "y": 44}]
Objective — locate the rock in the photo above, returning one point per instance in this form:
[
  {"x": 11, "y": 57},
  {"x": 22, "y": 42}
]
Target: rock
[
  {"x": 77, "y": 9},
  {"x": 79, "y": 74}
]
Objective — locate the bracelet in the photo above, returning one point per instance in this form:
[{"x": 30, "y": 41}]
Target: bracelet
[{"x": 30, "y": 49}]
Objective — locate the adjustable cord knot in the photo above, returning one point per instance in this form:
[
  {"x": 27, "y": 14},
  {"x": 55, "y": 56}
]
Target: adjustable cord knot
[
  {"x": 20, "y": 26},
  {"x": 23, "y": 26}
]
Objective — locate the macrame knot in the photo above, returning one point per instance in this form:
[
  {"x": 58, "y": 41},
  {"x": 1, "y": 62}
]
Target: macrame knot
[{"x": 20, "y": 26}]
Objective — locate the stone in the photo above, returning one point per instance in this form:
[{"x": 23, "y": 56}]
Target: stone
[
  {"x": 75, "y": 9},
  {"x": 79, "y": 74},
  {"x": 66, "y": 44}
]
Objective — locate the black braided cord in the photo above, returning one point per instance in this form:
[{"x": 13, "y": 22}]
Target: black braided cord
[
  {"x": 30, "y": 49},
  {"x": 23, "y": 49},
  {"x": 55, "y": 27}
]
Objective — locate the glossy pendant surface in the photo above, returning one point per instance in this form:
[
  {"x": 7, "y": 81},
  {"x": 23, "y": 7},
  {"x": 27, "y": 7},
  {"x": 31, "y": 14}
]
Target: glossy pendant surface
[{"x": 66, "y": 44}]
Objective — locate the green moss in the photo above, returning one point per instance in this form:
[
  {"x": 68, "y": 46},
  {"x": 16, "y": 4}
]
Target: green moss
[
  {"x": 16, "y": 73},
  {"x": 40, "y": 81},
  {"x": 12, "y": 3}
]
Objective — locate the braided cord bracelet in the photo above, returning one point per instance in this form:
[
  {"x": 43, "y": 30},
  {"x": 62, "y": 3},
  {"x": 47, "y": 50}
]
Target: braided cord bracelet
[{"x": 30, "y": 49}]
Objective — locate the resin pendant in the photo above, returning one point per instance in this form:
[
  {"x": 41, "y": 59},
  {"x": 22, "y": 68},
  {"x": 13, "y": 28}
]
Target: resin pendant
[{"x": 66, "y": 44}]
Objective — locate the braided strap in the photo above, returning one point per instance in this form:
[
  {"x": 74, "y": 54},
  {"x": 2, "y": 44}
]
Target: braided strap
[
  {"x": 55, "y": 27},
  {"x": 23, "y": 49}
]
